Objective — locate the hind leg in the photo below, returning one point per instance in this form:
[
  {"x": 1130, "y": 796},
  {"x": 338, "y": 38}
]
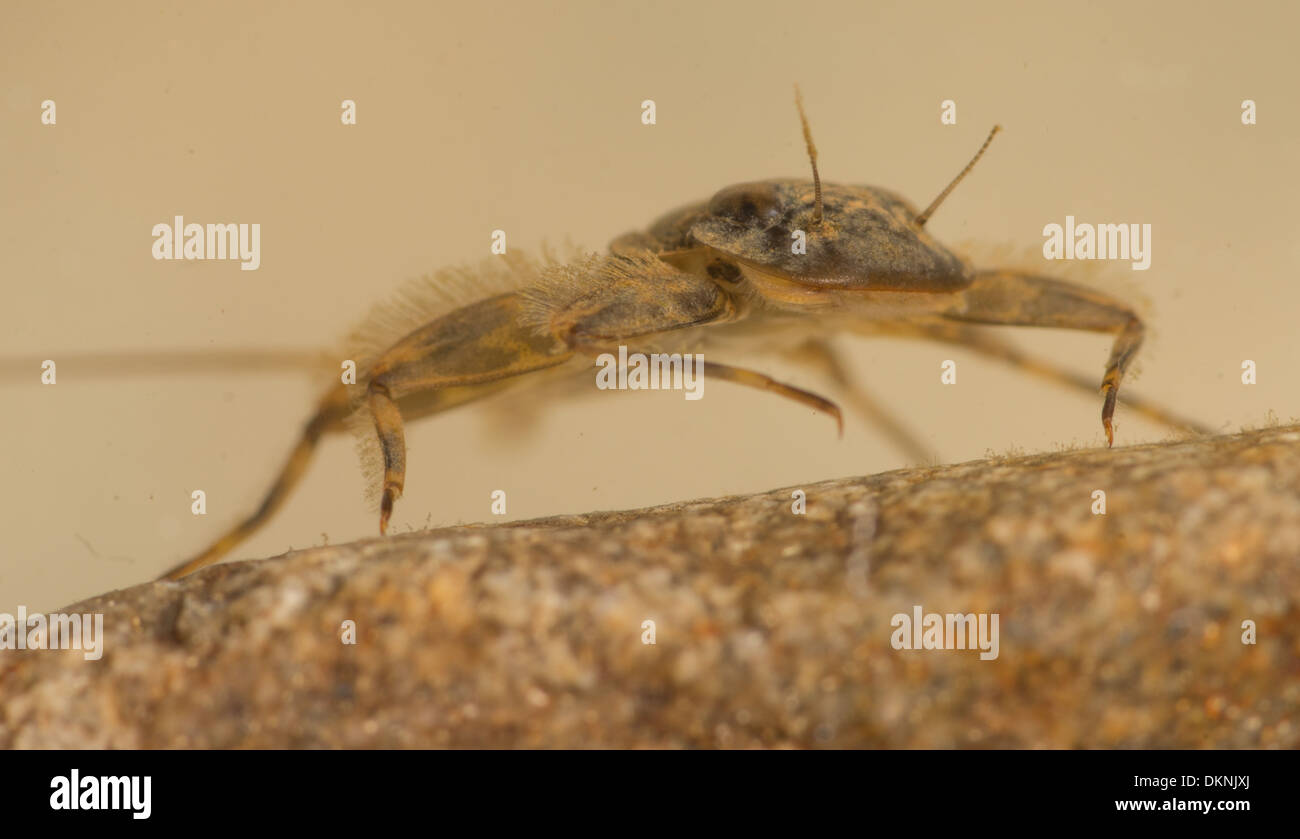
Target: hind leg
[
  {"x": 480, "y": 344},
  {"x": 328, "y": 417}
]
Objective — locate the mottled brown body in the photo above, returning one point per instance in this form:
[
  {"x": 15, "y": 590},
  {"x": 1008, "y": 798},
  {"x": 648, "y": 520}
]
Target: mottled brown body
[{"x": 768, "y": 254}]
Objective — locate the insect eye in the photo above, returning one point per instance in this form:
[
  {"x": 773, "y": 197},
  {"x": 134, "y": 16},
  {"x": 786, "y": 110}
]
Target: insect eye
[
  {"x": 723, "y": 271},
  {"x": 746, "y": 204}
]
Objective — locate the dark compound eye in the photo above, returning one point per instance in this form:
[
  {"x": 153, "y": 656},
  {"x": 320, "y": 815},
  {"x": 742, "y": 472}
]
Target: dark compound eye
[
  {"x": 747, "y": 204},
  {"x": 724, "y": 271}
]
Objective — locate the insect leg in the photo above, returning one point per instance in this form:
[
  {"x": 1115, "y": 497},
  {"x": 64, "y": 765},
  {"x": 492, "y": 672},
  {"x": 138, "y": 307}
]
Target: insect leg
[
  {"x": 819, "y": 352},
  {"x": 987, "y": 344},
  {"x": 330, "y": 412},
  {"x": 1012, "y": 298},
  {"x": 477, "y": 345},
  {"x": 751, "y": 378},
  {"x": 637, "y": 295},
  {"x": 392, "y": 441}
]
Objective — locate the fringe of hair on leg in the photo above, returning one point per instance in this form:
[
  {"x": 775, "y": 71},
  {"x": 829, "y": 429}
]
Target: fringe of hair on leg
[{"x": 415, "y": 304}]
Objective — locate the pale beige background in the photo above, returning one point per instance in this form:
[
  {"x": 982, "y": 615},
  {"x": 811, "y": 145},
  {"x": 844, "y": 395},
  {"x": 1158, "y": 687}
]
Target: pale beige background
[{"x": 525, "y": 117}]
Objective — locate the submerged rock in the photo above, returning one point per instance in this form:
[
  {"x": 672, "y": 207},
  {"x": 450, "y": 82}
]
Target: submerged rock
[{"x": 769, "y": 628}]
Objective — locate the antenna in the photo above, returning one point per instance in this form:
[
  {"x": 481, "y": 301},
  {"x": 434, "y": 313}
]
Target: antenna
[
  {"x": 812, "y": 155},
  {"x": 934, "y": 205}
]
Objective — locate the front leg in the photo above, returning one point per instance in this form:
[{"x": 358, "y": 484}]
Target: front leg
[
  {"x": 1015, "y": 299},
  {"x": 985, "y": 343}
]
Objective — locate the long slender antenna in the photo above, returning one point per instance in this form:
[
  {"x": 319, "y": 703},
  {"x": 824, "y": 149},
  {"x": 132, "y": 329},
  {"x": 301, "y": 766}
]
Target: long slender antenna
[
  {"x": 934, "y": 205},
  {"x": 812, "y": 154}
]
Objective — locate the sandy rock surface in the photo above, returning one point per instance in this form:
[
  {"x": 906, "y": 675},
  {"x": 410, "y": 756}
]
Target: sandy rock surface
[{"x": 771, "y": 628}]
